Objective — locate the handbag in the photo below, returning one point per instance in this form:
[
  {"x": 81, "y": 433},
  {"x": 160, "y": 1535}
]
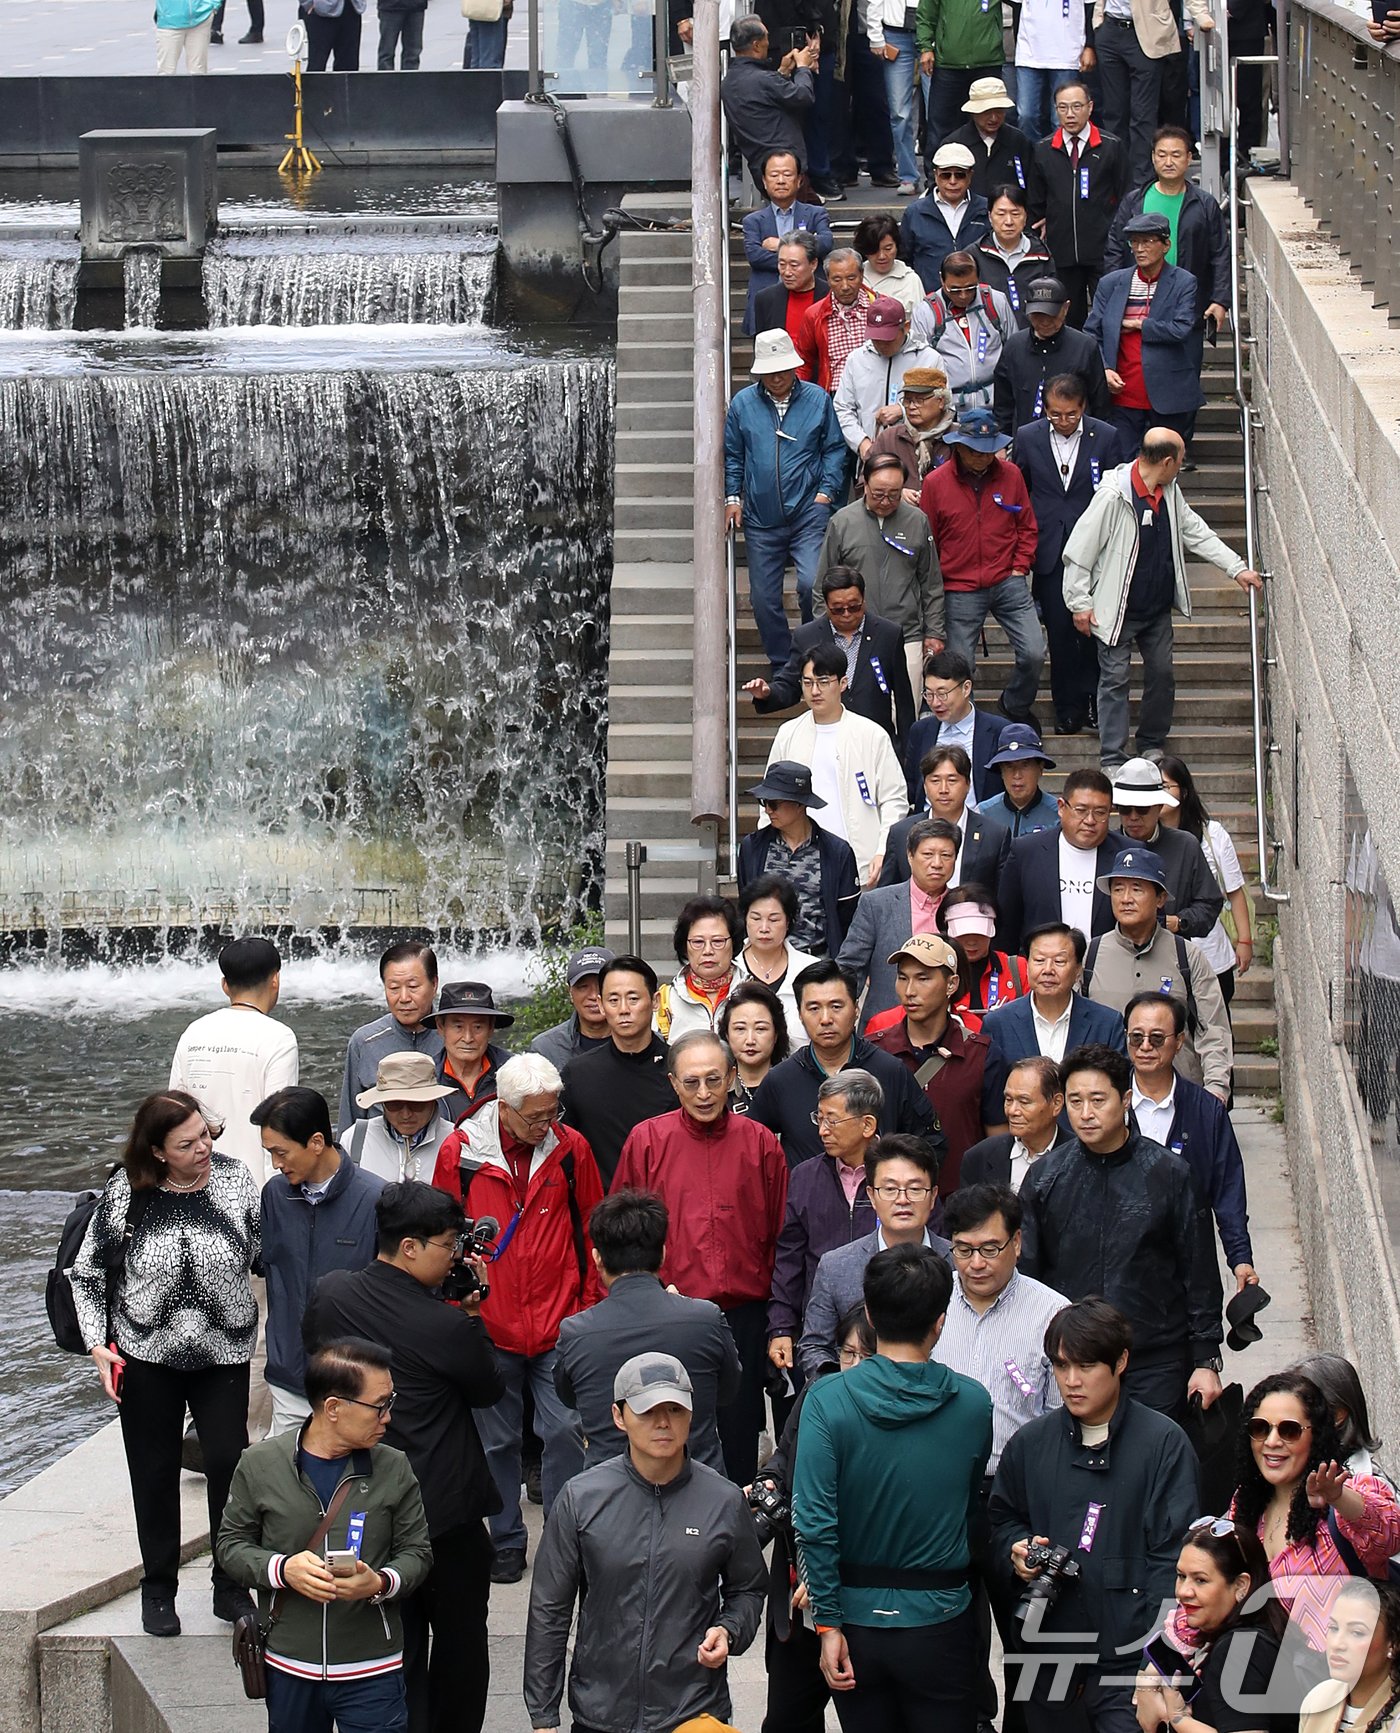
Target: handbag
[
  {"x": 482, "y": 11},
  {"x": 250, "y": 1633}
]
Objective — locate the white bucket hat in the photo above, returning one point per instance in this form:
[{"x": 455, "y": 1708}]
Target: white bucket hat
[
  {"x": 987, "y": 93},
  {"x": 774, "y": 352}
]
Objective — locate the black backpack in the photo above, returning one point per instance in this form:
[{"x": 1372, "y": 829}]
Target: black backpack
[{"x": 58, "y": 1290}]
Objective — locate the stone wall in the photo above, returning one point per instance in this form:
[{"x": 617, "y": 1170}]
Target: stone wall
[{"x": 1326, "y": 383}]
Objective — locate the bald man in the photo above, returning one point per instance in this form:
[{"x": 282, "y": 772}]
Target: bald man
[{"x": 1125, "y": 571}]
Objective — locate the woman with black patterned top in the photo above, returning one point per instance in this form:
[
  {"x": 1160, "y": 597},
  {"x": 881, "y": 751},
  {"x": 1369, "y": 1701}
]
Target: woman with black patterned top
[{"x": 182, "y": 1328}]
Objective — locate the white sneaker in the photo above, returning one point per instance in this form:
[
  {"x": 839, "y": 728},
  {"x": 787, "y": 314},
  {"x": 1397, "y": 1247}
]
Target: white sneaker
[{"x": 908, "y": 189}]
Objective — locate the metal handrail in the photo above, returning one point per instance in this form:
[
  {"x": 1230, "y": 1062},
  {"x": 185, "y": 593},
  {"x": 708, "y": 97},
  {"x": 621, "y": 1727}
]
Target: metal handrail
[
  {"x": 731, "y": 544},
  {"x": 1258, "y": 599}
]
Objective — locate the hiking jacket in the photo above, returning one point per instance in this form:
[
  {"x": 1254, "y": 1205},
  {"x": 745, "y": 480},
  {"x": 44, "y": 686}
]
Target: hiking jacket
[{"x": 777, "y": 468}]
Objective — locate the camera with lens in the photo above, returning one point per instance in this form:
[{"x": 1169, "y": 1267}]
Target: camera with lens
[
  {"x": 1057, "y": 1567},
  {"x": 461, "y": 1281},
  {"x": 772, "y": 1512}
]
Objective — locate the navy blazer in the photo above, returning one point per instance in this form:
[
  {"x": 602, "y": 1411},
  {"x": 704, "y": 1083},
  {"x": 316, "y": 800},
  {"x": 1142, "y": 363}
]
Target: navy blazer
[
  {"x": 882, "y": 675},
  {"x": 985, "y": 851},
  {"x": 1011, "y": 1031},
  {"x": 1057, "y": 508},
  {"x": 1201, "y": 1133},
  {"x": 1030, "y": 886},
  {"x": 986, "y": 736},
  {"x": 989, "y": 1162},
  {"x": 762, "y": 225},
  {"x": 1171, "y": 364}
]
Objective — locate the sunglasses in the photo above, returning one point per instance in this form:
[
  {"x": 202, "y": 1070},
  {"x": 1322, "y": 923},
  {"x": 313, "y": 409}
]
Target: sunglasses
[{"x": 1290, "y": 1431}]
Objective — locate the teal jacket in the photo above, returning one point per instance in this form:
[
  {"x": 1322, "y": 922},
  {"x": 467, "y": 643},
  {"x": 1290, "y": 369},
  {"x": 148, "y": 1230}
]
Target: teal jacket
[
  {"x": 183, "y": 14},
  {"x": 272, "y": 1512},
  {"x": 960, "y": 32},
  {"x": 890, "y": 1459}
]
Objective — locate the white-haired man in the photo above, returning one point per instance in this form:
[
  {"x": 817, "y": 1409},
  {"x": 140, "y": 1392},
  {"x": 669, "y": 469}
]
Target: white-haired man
[{"x": 513, "y": 1160}]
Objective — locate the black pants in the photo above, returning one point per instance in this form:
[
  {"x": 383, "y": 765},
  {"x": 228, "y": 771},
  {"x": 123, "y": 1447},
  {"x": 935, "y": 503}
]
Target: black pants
[
  {"x": 338, "y": 36},
  {"x": 739, "y": 1422},
  {"x": 447, "y": 1693},
  {"x": 797, "y": 1692},
  {"x": 912, "y": 1680},
  {"x": 1249, "y": 88},
  {"x": 1160, "y": 1383},
  {"x": 860, "y": 112},
  {"x": 153, "y": 1431},
  {"x": 1132, "y": 84},
  {"x": 1074, "y": 662},
  {"x": 255, "y": 18},
  {"x": 1175, "y": 90},
  {"x": 1090, "y": 1708},
  {"x": 405, "y": 27},
  {"x": 1081, "y": 281},
  {"x": 991, "y": 1601}
]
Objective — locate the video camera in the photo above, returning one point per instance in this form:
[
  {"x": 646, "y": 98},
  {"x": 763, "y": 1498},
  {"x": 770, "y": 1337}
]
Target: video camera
[
  {"x": 461, "y": 1282},
  {"x": 1057, "y": 1567}
]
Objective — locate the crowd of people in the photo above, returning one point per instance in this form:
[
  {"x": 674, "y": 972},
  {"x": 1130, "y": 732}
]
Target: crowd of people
[{"x": 885, "y": 1235}]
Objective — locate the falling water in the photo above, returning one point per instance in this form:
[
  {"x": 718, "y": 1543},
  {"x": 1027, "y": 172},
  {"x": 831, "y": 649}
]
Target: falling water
[
  {"x": 38, "y": 289},
  {"x": 369, "y": 281},
  {"x": 141, "y": 274},
  {"x": 317, "y": 648}
]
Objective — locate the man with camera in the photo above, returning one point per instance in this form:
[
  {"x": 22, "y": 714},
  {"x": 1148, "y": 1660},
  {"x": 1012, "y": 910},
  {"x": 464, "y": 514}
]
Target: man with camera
[
  {"x": 444, "y": 1367},
  {"x": 668, "y": 1554},
  {"x": 1087, "y": 1513}
]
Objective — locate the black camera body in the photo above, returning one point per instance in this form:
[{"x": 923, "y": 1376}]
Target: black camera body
[
  {"x": 1057, "y": 1566},
  {"x": 772, "y": 1512},
  {"x": 461, "y": 1282}
]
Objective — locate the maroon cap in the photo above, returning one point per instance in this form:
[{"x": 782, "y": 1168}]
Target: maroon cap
[{"x": 884, "y": 316}]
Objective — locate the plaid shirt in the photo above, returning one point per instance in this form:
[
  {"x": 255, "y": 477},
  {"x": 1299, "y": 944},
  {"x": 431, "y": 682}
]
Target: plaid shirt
[{"x": 845, "y": 332}]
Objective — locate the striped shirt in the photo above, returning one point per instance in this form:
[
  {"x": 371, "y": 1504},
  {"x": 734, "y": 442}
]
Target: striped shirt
[{"x": 1003, "y": 1348}]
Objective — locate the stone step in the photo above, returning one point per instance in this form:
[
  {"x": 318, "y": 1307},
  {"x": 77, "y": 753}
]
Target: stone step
[
  {"x": 655, "y": 480},
  {"x": 661, "y": 512},
  {"x": 1256, "y": 1075},
  {"x": 649, "y": 705},
  {"x": 672, "y": 299},
  {"x": 670, "y": 358},
  {"x": 659, "y": 268},
  {"x": 656, "y": 631},
  {"x": 659, "y": 742},
  {"x": 653, "y": 445},
  {"x": 637, "y": 818},
  {"x": 640, "y": 414},
  {"x": 637, "y": 544}
]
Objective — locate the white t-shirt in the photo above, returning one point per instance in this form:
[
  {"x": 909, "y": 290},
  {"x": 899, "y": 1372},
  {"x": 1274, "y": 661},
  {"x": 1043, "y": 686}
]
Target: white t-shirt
[
  {"x": 1050, "y": 37},
  {"x": 1078, "y": 869},
  {"x": 230, "y": 1061},
  {"x": 826, "y": 781},
  {"x": 1224, "y": 863}
]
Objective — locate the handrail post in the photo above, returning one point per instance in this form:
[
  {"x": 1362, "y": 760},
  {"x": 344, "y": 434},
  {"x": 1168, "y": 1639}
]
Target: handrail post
[
  {"x": 709, "y": 649},
  {"x": 660, "y": 43},
  {"x": 534, "y": 77}
]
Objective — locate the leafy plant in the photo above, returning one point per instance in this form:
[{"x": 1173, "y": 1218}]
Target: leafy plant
[{"x": 549, "y": 1002}]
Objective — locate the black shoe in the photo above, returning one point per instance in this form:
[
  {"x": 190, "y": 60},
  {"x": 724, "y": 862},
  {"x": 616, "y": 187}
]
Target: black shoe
[
  {"x": 1069, "y": 725},
  {"x": 252, "y": 36},
  {"x": 216, "y": 35},
  {"x": 158, "y": 1615},
  {"x": 192, "y": 1452},
  {"x": 533, "y": 1490},
  {"x": 508, "y": 1566},
  {"x": 1093, "y": 723},
  {"x": 884, "y": 180},
  {"x": 829, "y": 188},
  {"x": 1027, "y": 717},
  {"x": 231, "y": 1603}
]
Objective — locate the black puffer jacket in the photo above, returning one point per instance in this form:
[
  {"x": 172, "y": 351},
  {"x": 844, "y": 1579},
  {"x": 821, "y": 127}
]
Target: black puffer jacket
[{"x": 1132, "y": 1227}]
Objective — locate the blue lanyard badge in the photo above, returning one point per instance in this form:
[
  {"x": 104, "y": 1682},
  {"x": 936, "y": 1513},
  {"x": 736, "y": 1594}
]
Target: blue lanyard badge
[
  {"x": 1039, "y": 409},
  {"x": 1064, "y": 8},
  {"x": 1005, "y": 504},
  {"x": 1020, "y": 172},
  {"x": 1013, "y": 294},
  {"x": 982, "y": 337},
  {"x": 879, "y": 675},
  {"x": 1094, "y": 470},
  {"x": 355, "y": 1533},
  {"x": 1084, "y": 182},
  {"x": 898, "y": 547},
  {"x": 864, "y": 788}
]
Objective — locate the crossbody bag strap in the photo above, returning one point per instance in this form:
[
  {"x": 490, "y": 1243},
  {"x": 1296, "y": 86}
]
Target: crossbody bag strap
[{"x": 323, "y": 1528}]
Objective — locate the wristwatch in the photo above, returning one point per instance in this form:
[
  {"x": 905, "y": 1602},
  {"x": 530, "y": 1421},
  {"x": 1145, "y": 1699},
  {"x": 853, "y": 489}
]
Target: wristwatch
[{"x": 1214, "y": 1364}]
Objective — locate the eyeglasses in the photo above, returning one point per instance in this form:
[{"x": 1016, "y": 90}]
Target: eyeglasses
[
  {"x": 882, "y": 494},
  {"x": 380, "y": 1408},
  {"x": 987, "y": 1251},
  {"x": 1080, "y": 810},
  {"x": 834, "y": 608},
  {"x": 825, "y": 1122},
  {"x": 849, "y": 1356},
  {"x": 1290, "y": 1431},
  {"x": 819, "y": 682},
  {"x": 952, "y": 174},
  {"x": 1219, "y": 1526},
  {"x": 536, "y": 1119},
  {"x": 773, "y": 805},
  {"x": 937, "y": 694},
  {"x": 692, "y": 1085},
  {"x": 1146, "y": 1038},
  {"x": 1068, "y": 106},
  {"x": 891, "y": 1192},
  {"x": 708, "y": 944},
  {"x": 440, "y": 1246}
]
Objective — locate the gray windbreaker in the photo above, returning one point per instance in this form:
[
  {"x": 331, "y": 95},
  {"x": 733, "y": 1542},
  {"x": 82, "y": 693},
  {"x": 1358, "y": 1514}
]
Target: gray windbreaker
[{"x": 663, "y": 1564}]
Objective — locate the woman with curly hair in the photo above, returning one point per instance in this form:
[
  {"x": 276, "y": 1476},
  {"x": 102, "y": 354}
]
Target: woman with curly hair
[
  {"x": 1309, "y": 1512},
  {"x": 1363, "y": 1658}
]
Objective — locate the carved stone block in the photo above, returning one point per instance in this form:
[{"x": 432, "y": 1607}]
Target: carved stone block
[{"x": 149, "y": 188}]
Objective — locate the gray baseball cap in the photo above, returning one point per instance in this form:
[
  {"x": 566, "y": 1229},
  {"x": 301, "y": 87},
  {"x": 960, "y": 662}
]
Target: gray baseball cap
[
  {"x": 646, "y": 1380},
  {"x": 588, "y": 961}
]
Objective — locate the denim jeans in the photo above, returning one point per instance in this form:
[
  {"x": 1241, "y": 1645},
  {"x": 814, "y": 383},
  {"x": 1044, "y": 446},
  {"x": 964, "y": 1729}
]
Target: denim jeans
[
  {"x": 1009, "y": 603},
  {"x": 769, "y": 552},
  {"x": 1035, "y": 95},
  {"x": 899, "y": 93},
  {"x": 1154, "y": 641},
  {"x": 591, "y": 25},
  {"x": 373, "y": 1705},
  {"x": 405, "y": 28},
  {"x": 486, "y": 46},
  {"x": 499, "y": 1426}
]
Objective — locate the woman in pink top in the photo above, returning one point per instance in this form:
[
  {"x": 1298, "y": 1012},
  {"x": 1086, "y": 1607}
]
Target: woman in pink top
[{"x": 1295, "y": 1492}]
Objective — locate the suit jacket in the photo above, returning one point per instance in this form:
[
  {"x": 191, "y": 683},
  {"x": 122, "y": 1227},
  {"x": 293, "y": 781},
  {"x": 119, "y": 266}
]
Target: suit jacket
[
  {"x": 989, "y": 1162},
  {"x": 1057, "y": 508},
  {"x": 762, "y": 225},
  {"x": 1030, "y": 886},
  {"x": 1195, "y": 898},
  {"x": 986, "y": 735},
  {"x": 882, "y": 923},
  {"x": 880, "y": 689},
  {"x": 1201, "y": 1133},
  {"x": 1170, "y": 365},
  {"x": 985, "y": 852},
  {"x": 1011, "y": 1031},
  {"x": 770, "y": 305},
  {"x": 839, "y": 1285}
]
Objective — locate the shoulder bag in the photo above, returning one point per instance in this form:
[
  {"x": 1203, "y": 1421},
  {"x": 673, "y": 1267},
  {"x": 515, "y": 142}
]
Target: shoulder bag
[{"x": 250, "y": 1634}]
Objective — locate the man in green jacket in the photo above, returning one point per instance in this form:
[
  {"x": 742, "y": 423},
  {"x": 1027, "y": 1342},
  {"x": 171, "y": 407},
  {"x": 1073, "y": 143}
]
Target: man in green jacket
[
  {"x": 959, "y": 41},
  {"x": 890, "y": 1464},
  {"x": 335, "y": 1650}
]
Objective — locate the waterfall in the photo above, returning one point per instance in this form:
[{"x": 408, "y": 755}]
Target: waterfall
[
  {"x": 372, "y": 281},
  {"x": 141, "y": 274},
  {"x": 303, "y": 648},
  {"x": 38, "y": 289}
]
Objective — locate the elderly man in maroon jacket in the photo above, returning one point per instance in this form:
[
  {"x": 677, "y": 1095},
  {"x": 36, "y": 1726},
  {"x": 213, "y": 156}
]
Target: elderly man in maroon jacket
[{"x": 723, "y": 1177}]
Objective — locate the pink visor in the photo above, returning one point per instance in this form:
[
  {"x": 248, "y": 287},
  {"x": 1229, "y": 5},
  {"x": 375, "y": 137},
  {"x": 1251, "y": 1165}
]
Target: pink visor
[{"x": 968, "y": 918}]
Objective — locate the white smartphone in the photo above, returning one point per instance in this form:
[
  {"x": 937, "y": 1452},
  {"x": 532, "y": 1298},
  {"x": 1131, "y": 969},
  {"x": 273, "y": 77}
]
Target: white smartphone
[{"x": 341, "y": 1564}]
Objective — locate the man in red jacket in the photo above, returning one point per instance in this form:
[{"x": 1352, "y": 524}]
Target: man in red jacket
[
  {"x": 985, "y": 532},
  {"x": 723, "y": 1177},
  {"x": 834, "y": 327},
  {"x": 512, "y": 1159}
]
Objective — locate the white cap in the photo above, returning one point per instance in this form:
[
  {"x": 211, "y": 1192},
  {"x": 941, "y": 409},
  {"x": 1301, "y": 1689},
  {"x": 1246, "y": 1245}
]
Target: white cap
[{"x": 774, "y": 352}]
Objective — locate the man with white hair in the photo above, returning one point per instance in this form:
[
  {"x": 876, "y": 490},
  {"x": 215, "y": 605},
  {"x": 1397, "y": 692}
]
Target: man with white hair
[{"x": 513, "y": 1160}]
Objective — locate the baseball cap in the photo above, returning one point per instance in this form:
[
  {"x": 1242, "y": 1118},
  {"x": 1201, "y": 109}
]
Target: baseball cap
[
  {"x": 646, "y": 1380},
  {"x": 884, "y": 316},
  {"x": 588, "y": 961},
  {"x": 1134, "y": 863},
  {"x": 954, "y": 156},
  {"x": 928, "y": 949},
  {"x": 1046, "y": 295}
]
